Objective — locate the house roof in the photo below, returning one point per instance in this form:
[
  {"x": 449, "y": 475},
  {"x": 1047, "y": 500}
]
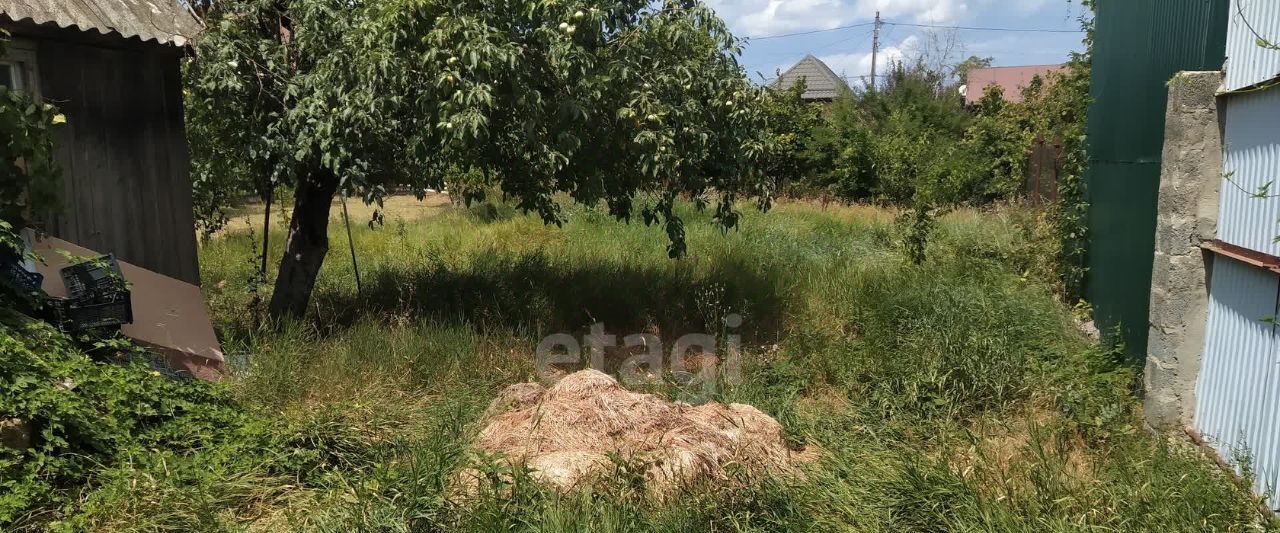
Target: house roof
[
  {"x": 820, "y": 82},
  {"x": 1011, "y": 79},
  {"x": 162, "y": 21}
]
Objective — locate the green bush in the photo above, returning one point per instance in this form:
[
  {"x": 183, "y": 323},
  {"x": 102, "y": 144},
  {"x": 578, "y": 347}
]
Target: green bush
[
  {"x": 790, "y": 122},
  {"x": 85, "y": 414},
  {"x": 903, "y": 144},
  {"x": 100, "y": 423}
]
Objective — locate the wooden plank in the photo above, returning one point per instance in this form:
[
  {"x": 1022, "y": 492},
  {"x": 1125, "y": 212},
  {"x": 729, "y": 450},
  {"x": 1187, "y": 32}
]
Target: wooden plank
[
  {"x": 137, "y": 169},
  {"x": 179, "y": 184},
  {"x": 124, "y": 126},
  {"x": 52, "y": 82},
  {"x": 95, "y": 178},
  {"x": 150, "y": 183},
  {"x": 80, "y": 108},
  {"x": 158, "y": 174}
]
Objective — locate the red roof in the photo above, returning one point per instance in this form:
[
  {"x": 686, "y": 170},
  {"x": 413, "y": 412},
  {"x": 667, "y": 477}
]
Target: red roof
[{"x": 1011, "y": 79}]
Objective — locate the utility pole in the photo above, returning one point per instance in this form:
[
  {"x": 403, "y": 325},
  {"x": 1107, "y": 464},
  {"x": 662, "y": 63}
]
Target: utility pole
[{"x": 875, "y": 50}]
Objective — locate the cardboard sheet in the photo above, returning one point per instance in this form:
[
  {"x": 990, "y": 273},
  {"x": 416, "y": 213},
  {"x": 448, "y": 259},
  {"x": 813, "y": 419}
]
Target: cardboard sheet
[{"x": 168, "y": 315}]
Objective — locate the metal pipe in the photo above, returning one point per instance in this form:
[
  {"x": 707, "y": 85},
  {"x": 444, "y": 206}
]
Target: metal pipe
[
  {"x": 346, "y": 217},
  {"x": 266, "y": 235},
  {"x": 262, "y": 267}
]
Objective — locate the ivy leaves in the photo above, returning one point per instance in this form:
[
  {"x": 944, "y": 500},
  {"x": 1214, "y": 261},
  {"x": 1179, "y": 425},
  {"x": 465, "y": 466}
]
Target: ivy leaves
[{"x": 29, "y": 177}]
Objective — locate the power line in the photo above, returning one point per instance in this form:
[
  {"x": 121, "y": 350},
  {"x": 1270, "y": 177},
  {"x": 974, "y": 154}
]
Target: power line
[
  {"x": 826, "y": 46},
  {"x": 811, "y": 32},
  {"x": 981, "y": 28},
  {"x": 841, "y": 41},
  {"x": 938, "y": 26}
]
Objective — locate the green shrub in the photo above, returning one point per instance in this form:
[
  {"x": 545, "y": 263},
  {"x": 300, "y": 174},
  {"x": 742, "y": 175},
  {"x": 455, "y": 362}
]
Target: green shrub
[{"x": 85, "y": 414}]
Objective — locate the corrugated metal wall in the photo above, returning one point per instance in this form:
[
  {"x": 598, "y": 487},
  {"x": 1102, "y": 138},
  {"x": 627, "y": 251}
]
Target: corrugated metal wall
[
  {"x": 1248, "y": 213},
  {"x": 1247, "y": 63},
  {"x": 1139, "y": 45},
  {"x": 1238, "y": 389},
  {"x": 1236, "y": 397}
]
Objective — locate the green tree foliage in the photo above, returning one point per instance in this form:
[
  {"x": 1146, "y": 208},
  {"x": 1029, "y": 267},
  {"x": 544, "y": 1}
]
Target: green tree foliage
[
  {"x": 30, "y": 179},
  {"x": 1064, "y": 108},
  {"x": 922, "y": 95},
  {"x": 1054, "y": 110},
  {"x": 217, "y": 181},
  {"x": 889, "y": 145},
  {"x": 839, "y": 152},
  {"x": 790, "y": 122},
  {"x": 913, "y": 143},
  {"x": 600, "y": 100},
  {"x": 973, "y": 62},
  {"x": 999, "y": 141}
]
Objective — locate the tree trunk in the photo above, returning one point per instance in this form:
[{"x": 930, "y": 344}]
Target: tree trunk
[{"x": 307, "y": 245}]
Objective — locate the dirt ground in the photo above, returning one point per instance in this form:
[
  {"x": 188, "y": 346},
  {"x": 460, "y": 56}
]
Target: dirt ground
[{"x": 404, "y": 207}]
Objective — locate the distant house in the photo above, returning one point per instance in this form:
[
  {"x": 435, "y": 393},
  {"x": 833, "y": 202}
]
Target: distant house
[
  {"x": 821, "y": 84},
  {"x": 1012, "y": 79},
  {"x": 112, "y": 68}
]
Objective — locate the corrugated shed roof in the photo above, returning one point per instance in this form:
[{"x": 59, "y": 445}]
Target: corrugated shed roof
[
  {"x": 162, "y": 21},
  {"x": 820, "y": 82},
  {"x": 1011, "y": 79}
]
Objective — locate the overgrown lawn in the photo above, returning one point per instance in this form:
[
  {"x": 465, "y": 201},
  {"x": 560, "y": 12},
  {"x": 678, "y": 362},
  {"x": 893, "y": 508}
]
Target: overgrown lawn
[{"x": 953, "y": 396}]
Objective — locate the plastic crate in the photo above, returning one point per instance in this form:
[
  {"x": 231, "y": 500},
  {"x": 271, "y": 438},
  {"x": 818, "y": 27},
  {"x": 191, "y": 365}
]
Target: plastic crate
[
  {"x": 18, "y": 276},
  {"x": 97, "y": 279},
  {"x": 14, "y": 272},
  {"x": 81, "y": 314}
]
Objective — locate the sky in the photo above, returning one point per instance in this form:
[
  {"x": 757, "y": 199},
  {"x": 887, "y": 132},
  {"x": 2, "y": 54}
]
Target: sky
[{"x": 848, "y": 51}]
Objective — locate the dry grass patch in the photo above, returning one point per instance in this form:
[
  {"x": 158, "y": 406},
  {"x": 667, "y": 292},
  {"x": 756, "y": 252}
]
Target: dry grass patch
[
  {"x": 403, "y": 206},
  {"x": 1004, "y": 455},
  {"x": 576, "y": 428}
]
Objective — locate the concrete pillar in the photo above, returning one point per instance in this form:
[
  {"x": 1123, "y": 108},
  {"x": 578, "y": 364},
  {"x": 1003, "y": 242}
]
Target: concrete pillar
[{"x": 1190, "y": 174}]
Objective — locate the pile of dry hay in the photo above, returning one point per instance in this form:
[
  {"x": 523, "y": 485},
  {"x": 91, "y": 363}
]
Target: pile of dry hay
[{"x": 566, "y": 433}]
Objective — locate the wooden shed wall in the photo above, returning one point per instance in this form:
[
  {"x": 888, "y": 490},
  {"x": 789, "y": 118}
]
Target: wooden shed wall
[{"x": 123, "y": 153}]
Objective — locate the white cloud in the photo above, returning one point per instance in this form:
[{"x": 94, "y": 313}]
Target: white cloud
[
  {"x": 781, "y": 16},
  {"x": 772, "y": 17},
  {"x": 858, "y": 64},
  {"x": 1022, "y": 6},
  {"x": 919, "y": 11},
  {"x": 848, "y": 52}
]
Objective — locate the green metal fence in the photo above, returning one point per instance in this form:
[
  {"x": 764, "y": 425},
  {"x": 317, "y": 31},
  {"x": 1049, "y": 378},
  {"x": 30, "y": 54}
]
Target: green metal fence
[{"x": 1138, "y": 46}]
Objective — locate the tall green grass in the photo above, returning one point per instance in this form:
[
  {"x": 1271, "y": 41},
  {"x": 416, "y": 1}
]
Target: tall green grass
[{"x": 953, "y": 396}]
